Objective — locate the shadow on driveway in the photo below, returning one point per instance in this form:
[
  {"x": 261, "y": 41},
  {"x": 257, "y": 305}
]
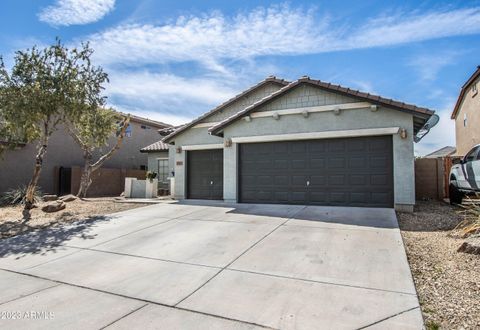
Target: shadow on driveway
[{"x": 43, "y": 240}]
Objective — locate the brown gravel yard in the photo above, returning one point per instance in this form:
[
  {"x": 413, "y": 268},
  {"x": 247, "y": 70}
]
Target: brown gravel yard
[
  {"x": 11, "y": 222},
  {"x": 447, "y": 281}
]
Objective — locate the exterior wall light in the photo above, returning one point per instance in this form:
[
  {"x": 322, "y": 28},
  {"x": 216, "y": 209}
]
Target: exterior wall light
[
  {"x": 227, "y": 143},
  {"x": 305, "y": 113},
  {"x": 336, "y": 111},
  {"x": 178, "y": 150},
  {"x": 403, "y": 133},
  {"x": 248, "y": 119},
  {"x": 373, "y": 107},
  {"x": 276, "y": 116}
]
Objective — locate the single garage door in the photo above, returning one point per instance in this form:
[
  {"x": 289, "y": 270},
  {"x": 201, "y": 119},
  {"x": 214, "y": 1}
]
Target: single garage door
[
  {"x": 205, "y": 174},
  {"x": 346, "y": 172}
]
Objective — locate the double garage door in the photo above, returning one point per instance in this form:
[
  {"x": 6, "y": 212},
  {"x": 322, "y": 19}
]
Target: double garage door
[{"x": 346, "y": 172}]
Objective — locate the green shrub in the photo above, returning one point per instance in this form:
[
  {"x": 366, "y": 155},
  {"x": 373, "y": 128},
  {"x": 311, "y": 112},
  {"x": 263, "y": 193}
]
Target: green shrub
[
  {"x": 151, "y": 175},
  {"x": 17, "y": 196}
]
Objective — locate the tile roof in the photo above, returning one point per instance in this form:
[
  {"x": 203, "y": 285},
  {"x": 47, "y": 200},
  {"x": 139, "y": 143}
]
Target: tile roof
[
  {"x": 225, "y": 104},
  {"x": 442, "y": 152},
  {"x": 464, "y": 88},
  {"x": 157, "y": 146},
  {"x": 421, "y": 113}
]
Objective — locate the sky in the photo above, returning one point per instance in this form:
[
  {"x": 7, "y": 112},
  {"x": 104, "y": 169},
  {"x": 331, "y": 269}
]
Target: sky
[{"x": 174, "y": 60}]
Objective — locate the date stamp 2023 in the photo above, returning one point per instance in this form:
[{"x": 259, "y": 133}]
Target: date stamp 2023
[{"x": 27, "y": 315}]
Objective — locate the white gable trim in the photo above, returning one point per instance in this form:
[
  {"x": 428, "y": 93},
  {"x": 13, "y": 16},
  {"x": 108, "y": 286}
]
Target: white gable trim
[
  {"x": 203, "y": 146},
  {"x": 318, "y": 135},
  {"x": 303, "y": 110}
]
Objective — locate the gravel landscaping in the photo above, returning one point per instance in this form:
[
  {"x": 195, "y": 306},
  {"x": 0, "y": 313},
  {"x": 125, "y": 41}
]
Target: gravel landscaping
[
  {"x": 11, "y": 220},
  {"x": 447, "y": 281}
]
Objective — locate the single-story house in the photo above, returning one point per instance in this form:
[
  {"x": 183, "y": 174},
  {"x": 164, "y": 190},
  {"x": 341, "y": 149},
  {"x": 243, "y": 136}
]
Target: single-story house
[{"x": 301, "y": 142}]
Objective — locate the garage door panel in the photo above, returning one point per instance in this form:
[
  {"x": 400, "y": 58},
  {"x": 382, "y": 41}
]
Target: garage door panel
[
  {"x": 280, "y": 164},
  {"x": 336, "y": 162},
  {"x": 357, "y": 146},
  {"x": 356, "y": 162},
  {"x": 352, "y": 171},
  {"x": 318, "y": 180},
  {"x": 358, "y": 180},
  {"x": 281, "y": 180},
  {"x": 205, "y": 174},
  {"x": 336, "y": 145},
  {"x": 317, "y": 163},
  {"x": 336, "y": 180},
  {"x": 379, "y": 180}
]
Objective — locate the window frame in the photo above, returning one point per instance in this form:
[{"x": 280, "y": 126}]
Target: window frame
[
  {"x": 473, "y": 153},
  {"x": 162, "y": 178}
]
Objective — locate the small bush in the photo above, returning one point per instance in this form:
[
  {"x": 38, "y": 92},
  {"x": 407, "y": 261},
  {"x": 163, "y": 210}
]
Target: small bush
[{"x": 17, "y": 196}]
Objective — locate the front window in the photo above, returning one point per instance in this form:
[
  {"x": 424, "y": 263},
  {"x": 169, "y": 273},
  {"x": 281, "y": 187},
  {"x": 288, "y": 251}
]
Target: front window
[{"x": 162, "y": 170}]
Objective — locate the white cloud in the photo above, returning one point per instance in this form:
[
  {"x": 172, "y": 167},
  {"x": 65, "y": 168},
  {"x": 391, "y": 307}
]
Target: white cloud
[
  {"x": 429, "y": 65},
  {"x": 406, "y": 27},
  {"x": 277, "y": 30},
  {"x": 180, "y": 98},
  {"x": 75, "y": 12},
  {"x": 222, "y": 46}
]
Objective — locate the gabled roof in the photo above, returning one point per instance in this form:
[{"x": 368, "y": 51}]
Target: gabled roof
[
  {"x": 463, "y": 90},
  {"x": 421, "y": 114},
  {"x": 157, "y": 146},
  {"x": 225, "y": 104},
  {"x": 442, "y": 152},
  {"x": 146, "y": 121}
]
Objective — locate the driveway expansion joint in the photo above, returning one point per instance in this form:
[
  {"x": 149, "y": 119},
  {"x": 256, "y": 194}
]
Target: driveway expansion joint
[
  {"x": 320, "y": 282},
  {"x": 144, "y": 257},
  {"x": 388, "y": 317},
  {"x": 31, "y": 293},
  {"x": 239, "y": 256},
  {"x": 132, "y": 298},
  {"x": 124, "y": 316}
]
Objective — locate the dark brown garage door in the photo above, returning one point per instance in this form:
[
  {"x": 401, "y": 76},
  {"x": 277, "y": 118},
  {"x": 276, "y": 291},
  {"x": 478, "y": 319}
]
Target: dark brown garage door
[
  {"x": 348, "y": 172},
  {"x": 205, "y": 174}
]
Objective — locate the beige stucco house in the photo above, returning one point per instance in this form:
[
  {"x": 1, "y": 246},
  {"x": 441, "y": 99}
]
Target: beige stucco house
[
  {"x": 467, "y": 115},
  {"x": 64, "y": 159}
]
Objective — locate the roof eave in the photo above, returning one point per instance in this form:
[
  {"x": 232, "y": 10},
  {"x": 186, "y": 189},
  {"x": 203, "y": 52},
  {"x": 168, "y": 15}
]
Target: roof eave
[
  {"x": 217, "y": 130},
  {"x": 168, "y": 138}
]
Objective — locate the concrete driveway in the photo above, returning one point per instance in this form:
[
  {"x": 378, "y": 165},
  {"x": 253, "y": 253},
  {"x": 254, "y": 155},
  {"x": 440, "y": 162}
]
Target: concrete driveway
[{"x": 185, "y": 266}]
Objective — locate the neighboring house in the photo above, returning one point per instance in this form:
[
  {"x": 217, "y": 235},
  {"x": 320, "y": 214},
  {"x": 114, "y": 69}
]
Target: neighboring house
[
  {"x": 467, "y": 115},
  {"x": 301, "y": 142},
  {"x": 159, "y": 162},
  {"x": 64, "y": 156},
  {"x": 442, "y": 152}
]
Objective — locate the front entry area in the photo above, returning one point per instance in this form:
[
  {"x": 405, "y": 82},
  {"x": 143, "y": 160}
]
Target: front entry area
[
  {"x": 340, "y": 172},
  {"x": 205, "y": 174}
]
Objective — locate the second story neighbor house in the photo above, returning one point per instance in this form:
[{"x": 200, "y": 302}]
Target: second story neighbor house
[
  {"x": 64, "y": 159},
  {"x": 303, "y": 142},
  {"x": 467, "y": 115}
]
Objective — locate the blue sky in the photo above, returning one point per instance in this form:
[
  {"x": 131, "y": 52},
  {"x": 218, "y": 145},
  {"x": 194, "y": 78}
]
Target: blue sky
[{"x": 174, "y": 60}]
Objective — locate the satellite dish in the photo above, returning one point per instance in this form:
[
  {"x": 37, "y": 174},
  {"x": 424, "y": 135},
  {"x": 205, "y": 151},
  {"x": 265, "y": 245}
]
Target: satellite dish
[{"x": 431, "y": 122}]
